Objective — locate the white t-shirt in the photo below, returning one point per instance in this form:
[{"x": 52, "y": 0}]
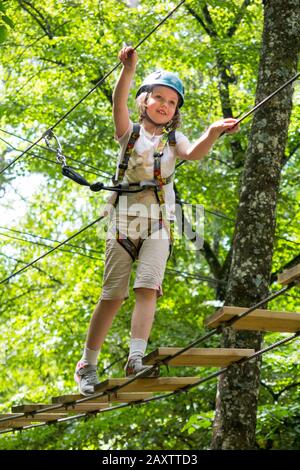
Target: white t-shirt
[{"x": 141, "y": 167}]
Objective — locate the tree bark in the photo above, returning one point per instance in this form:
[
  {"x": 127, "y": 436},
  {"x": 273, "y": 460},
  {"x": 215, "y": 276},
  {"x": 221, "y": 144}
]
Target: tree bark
[{"x": 249, "y": 279}]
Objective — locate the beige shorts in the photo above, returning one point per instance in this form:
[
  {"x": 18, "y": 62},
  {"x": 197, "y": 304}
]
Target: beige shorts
[{"x": 151, "y": 263}]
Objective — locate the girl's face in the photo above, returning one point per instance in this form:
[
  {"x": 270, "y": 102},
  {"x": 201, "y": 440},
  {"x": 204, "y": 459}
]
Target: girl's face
[{"x": 162, "y": 103}]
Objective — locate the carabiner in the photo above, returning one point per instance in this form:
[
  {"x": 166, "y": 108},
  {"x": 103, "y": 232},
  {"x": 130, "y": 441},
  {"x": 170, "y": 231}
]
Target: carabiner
[{"x": 49, "y": 134}]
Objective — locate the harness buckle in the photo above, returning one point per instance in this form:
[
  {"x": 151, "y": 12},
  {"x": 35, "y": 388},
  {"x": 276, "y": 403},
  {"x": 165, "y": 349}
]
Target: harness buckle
[
  {"x": 123, "y": 166},
  {"x": 148, "y": 184},
  {"x": 158, "y": 154}
]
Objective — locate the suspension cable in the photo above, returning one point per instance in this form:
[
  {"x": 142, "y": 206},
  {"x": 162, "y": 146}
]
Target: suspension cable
[
  {"x": 224, "y": 216},
  {"x": 13, "y": 237},
  {"x": 81, "y": 247},
  {"x": 102, "y": 173},
  {"x": 199, "y": 277},
  {"x": 90, "y": 91},
  {"x": 117, "y": 388},
  {"x": 137, "y": 402},
  {"x": 52, "y": 249},
  {"x": 255, "y": 108}
]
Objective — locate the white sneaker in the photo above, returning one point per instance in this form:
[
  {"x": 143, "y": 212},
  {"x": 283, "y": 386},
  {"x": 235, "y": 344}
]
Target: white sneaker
[
  {"x": 86, "y": 378},
  {"x": 135, "y": 366}
]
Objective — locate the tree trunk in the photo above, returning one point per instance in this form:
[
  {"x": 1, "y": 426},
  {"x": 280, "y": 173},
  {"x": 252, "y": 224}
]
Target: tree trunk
[{"x": 236, "y": 404}]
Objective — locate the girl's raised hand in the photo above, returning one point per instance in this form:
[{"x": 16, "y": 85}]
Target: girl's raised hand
[
  {"x": 128, "y": 56},
  {"x": 224, "y": 126}
]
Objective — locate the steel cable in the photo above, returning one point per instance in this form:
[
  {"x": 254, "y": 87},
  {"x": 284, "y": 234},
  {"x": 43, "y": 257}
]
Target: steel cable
[
  {"x": 90, "y": 91},
  {"x": 164, "y": 361}
]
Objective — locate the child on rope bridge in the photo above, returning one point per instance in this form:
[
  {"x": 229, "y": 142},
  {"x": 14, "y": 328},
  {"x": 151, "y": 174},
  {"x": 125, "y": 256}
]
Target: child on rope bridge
[{"x": 142, "y": 220}]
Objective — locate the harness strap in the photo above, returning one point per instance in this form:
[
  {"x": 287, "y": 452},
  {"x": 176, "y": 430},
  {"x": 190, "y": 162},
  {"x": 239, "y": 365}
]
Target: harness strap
[
  {"x": 123, "y": 165},
  {"x": 157, "y": 184},
  {"x": 128, "y": 244},
  {"x": 160, "y": 183}
]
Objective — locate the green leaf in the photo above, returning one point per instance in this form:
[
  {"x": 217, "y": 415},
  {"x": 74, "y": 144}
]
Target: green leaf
[
  {"x": 44, "y": 312},
  {"x": 8, "y": 21},
  {"x": 3, "y": 33}
]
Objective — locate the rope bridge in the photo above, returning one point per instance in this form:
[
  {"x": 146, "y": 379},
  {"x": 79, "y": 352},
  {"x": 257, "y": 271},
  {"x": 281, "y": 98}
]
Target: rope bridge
[{"x": 141, "y": 389}]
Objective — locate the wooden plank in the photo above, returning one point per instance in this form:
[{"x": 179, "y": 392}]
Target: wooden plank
[
  {"x": 18, "y": 423},
  {"x": 212, "y": 357},
  {"x": 72, "y": 409},
  {"x": 70, "y": 398},
  {"x": 148, "y": 384},
  {"x": 38, "y": 417},
  {"x": 23, "y": 421},
  {"x": 116, "y": 397},
  {"x": 290, "y": 275},
  {"x": 258, "y": 320}
]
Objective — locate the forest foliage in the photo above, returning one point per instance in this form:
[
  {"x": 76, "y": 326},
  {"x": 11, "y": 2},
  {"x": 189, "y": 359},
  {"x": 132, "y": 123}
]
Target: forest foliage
[{"x": 51, "y": 55}]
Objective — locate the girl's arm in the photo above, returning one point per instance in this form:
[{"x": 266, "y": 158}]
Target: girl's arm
[
  {"x": 128, "y": 57},
  {"x": 203, "y": 145}
]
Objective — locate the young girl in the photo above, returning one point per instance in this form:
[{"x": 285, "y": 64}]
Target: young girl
[{"x": 141, "y": 220}]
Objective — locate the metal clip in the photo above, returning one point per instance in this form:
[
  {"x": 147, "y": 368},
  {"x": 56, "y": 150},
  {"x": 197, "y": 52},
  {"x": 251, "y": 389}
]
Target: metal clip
[
  {"x": 48, "y": 135},
  {"x": 148, "y": 184}
]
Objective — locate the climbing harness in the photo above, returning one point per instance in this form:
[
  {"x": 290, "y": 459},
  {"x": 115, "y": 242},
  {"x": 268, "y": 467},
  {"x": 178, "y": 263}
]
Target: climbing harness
[
  {"x": 156, "y": 184},
  {"x": 123, "y": 165},
  {"x": 120, "y": 186}
]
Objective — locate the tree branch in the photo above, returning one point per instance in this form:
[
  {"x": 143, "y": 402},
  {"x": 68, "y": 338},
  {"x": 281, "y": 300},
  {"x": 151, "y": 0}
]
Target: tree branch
[
  {"x": 209, "y": 31},
  {"x": 37, "y": 16},
  {"x": 288, "y": 387},
  {"x": 232, "y": 29},
  {"x": 57, "y": 62},
  {"x": 20, "y": 261},
  {"x": 286, "y": 158},
  {"x": 13, "y": 299},
  {"x": 211, "y": 259},
  {"x": 270, "y": 390},
  {"x": 224, "y": 275},
  {"x": 225, "y": 75},
  {"x": 209, "y": 20},
  {"x": 105, "y": 88},
  {"x": 206, "y": 249},
  {"x": 276, "y": 395}
]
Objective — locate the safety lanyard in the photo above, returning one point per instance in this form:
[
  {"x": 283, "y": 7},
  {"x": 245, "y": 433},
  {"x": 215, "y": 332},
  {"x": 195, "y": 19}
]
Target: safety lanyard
[{"x": 160, "y": 181}]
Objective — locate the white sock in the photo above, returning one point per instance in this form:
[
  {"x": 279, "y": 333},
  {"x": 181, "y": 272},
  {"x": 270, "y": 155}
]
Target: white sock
[
  {"x": 90, "y": 356},
  {"x": 137, "y": 347}
]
